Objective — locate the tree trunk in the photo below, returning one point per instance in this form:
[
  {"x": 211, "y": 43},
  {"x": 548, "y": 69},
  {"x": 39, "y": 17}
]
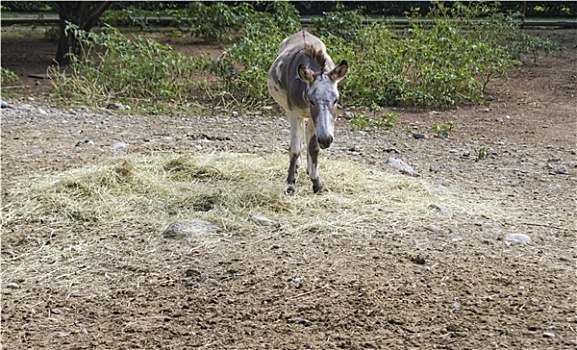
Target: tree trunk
[{"x": 84, "y": 14}]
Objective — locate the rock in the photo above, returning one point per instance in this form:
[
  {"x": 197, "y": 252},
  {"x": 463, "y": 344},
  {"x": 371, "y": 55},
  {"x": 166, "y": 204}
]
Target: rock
[
  {"x": 13, "y": 285},
  {"x": 402, "y": 166},
  {"x": 419, "y": 135},
  {"x": 41, "y": 111},
  {"x": 441, "y": 208},
  {"x": 261, "y": 220},
  {"x": 118, "y": 145},
  {"x": 348, "y": 115},
  {"x": 235, "y": 114},
  {"x": 186, "y": 228},
  {"x": 561, "y": 170},
  {"x": 392, "y": 150},
  {"x": 4, "y": 104},
  {"x": 25, "y": 107},
  {"x": 85, "y": 142},
  {"x": 479, "y": 223},
  {"x": 435, "y": 229},
  {"x": 548, "y": 335},
  {"x": 518, "y": 238},
  {"x": 116, "y": 106},
  {"x": 304, "y": 322}
]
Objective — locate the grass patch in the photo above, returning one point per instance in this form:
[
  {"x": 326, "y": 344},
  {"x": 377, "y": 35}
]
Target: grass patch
[{"x": 227, "y": 188}]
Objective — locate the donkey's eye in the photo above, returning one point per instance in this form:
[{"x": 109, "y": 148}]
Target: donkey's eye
[{"x": 312, "y": 102}]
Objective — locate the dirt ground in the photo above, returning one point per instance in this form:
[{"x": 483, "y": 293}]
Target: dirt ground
[{"x": 461, "y": 286}]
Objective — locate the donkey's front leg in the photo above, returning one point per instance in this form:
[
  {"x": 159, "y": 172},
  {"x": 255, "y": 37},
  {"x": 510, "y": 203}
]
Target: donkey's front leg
[
  {"x": 294, "y": 151},
  {"x": 313, "y": 156}
]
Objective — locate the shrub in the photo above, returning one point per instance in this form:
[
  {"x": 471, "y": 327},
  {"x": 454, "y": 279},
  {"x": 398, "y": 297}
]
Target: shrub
[
  {"x": 7, "y": 76},
  {"x": 443, "y": 63},
  {"x": 115, "y": 68},
  {"x": 346, "y": 24},
  {"x": 244, "y": 66}
]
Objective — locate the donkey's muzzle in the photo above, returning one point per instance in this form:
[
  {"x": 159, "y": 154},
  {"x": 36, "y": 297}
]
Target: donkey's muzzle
[{"x": 325, "y": 141}]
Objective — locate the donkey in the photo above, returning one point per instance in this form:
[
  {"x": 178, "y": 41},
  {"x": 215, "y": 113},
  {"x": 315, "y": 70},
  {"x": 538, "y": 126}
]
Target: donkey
[{"x": 303, "y": 81}]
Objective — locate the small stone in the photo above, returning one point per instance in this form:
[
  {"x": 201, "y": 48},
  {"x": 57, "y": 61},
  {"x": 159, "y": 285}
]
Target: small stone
[
  {"x": 392, "y": 150},
  {"x": 453, "y": 151},
  {"x": 235, "y": 114},
  {"x": 84, "y": 331},
  {"x": 261, "y": 220},
  {"x": 402, "y": 166},
  {"x": 4, "y": 104},
  {"x": 479, "y": 223},
  {"x": 518, "y": 238},
  {"x": 13, "y": 285},
  {"x": 304, "y": 322},
  {"x": 297, "y": 280},
  {"x": 348, "y": 115},
  {"x": 25, "y": 107},
  {"x": 419, "y": 135},
  {"x": 561, "y": 170},
  {"x": 116, "y": 105},
  {"x": 41, "y": 111},
  {"x": 435, "y": 229},
  {"x": 118, "y": 145},
  {"x": 441, "y": 208},
  {"x": 548, "y": 335},
  {"x": 188, "y": 228}
]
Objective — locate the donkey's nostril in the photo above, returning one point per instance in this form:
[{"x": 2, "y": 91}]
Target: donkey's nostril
[{"x": 325, "y": 141}]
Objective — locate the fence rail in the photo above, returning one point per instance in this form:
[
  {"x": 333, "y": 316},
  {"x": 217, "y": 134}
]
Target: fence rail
[{"x": 166, "y": 21}]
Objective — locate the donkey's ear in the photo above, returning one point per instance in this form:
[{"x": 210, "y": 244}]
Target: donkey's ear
[
  {"x": 306, "y": 74},
  {"x": 339, "y": 72}
]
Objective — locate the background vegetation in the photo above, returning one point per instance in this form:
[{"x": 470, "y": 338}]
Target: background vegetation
[
  {"x": 541, "y": 9},
  {"x": 443, "y": 63}
]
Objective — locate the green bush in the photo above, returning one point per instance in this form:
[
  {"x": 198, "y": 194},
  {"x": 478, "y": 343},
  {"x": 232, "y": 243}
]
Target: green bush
[
  {"x": 214, "y": 22},
  {"x": 346, "y": 24},
  {"x": 7, "y": 76},
  {"x": 443, "y": 63},
  {"x": 244, "y": 66},
  {"x": 114, "y": 68}
]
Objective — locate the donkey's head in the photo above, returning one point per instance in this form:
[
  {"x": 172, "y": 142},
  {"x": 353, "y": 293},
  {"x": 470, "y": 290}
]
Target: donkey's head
[{"x": 322, "y": 96}]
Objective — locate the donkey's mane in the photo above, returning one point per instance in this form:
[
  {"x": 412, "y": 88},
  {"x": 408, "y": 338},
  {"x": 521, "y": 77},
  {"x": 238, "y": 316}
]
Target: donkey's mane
[{"x": 316, "y": 55}]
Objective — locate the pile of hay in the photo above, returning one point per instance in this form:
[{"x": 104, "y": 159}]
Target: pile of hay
[{"x": 227, "y": 188}]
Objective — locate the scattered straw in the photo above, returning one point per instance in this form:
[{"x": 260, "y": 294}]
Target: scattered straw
[{"x": 227, "y": 188}]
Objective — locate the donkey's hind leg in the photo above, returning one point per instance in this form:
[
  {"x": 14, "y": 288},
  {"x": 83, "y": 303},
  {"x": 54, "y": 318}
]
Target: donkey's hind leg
[
  {"x": 294, "y": 151},
  {"x": 313, "y": 156}
]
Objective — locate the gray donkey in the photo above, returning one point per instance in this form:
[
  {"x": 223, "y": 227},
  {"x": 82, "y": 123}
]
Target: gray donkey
[{"x": 303, "y": 80}]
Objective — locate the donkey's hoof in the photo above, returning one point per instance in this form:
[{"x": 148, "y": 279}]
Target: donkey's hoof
[
  {"x": 290, "y": 189},
  {"x": 317, "y": 186}
]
